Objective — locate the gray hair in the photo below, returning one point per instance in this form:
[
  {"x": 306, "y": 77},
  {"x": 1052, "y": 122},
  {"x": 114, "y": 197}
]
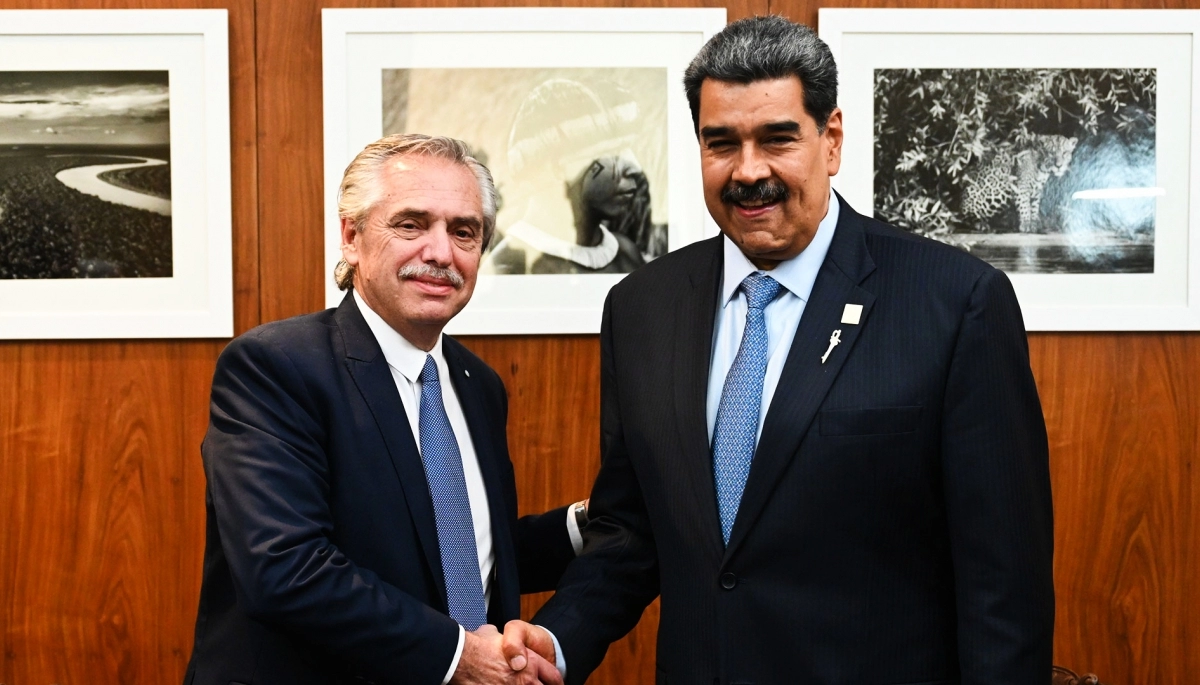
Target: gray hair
[
  {"x": 360, "y": 183},
  {"x": 767, "y": 48}
]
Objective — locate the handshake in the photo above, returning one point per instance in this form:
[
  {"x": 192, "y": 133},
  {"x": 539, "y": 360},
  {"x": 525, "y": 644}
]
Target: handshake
[{"x": 523, "y": 655}]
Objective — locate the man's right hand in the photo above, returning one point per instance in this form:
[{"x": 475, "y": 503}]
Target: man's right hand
[{"x": 483, "y": 662}]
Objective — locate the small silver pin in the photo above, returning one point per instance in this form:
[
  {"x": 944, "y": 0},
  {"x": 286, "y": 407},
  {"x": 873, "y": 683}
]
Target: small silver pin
[
  {"x": 467, "y": 372},
  {"x": 834, "y": 340},
  {"x": 851, "y": 314}
]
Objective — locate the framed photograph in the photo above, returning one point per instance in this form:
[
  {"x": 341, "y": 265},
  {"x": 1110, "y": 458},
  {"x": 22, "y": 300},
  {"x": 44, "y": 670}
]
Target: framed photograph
[
  {"x": 1057, "y": 145},
  {"x": 114, "y": 174},
  {"x": 579, "y": 114}
]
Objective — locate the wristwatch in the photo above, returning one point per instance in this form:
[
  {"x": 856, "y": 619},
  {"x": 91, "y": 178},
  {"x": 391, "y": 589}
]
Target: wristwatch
[{"x": 581, "y": 514}]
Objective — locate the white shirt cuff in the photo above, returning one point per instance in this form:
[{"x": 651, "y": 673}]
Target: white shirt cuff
[
  {"x": 462, "y": 640},
  {"x": 560, "y": 662},
  {"x": 573, "y": 531}
]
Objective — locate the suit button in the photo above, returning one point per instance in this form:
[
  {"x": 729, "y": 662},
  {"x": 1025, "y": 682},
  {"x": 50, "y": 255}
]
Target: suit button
[{"x": 728, "y": 581}]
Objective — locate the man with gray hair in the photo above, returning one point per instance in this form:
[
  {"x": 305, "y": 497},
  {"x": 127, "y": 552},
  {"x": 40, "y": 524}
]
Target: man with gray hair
[
  {"x": 822, "y": 445},
  {"x": 361, "y": 503}
]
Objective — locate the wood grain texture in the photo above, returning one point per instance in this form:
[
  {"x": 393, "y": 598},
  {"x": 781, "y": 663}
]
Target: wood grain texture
[
  {"x": 101, "y": 486},
  {"x": 101, "y": 494},
  {"x": 1124, "y": 423}
]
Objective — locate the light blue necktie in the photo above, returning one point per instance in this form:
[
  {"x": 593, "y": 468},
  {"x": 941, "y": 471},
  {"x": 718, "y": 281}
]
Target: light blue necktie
[
  {"x": 451, "y": 505},
  {"x": 736, "y": 429}
]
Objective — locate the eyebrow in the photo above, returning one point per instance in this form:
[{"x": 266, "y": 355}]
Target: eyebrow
[
  {"x": 772, "y": 127},
  {"x": 407, "y": 214},
  {"x": 422, "y": 215},
  {"x": 782, "y": 127},
  {"x": 715, "y": 131},
  {"x": 472, "y": 221}
]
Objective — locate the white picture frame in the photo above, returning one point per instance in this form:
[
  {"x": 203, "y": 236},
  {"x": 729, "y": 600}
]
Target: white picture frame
[
  {"x": 360, "y": 44},
  {"x": 938, "y": 41},
  {"x": 196, "y": 299}
]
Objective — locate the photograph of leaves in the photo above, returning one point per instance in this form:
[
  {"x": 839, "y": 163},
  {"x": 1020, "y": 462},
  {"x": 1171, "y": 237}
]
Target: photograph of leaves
[{"x": 1032, "y": 170}]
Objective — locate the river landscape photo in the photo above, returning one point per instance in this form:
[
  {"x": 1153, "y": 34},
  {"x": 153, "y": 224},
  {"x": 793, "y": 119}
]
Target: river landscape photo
[{"x": 85, "y": 175}]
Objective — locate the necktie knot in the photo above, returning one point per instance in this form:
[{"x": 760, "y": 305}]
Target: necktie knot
[
  {"x": 429, "y": 372},
  {"x": 760, "y": 289}
]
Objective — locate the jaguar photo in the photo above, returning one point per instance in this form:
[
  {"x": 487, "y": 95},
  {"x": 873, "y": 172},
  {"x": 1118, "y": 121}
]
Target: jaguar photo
[{"x": 1032, "y": 170}]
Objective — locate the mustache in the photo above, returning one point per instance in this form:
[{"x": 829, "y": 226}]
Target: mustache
[
  {"x": 766, "y": 190},
  {"x": 429, "y": 271}
]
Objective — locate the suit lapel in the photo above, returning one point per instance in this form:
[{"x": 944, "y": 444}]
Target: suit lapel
[
  {"x": 471, "y": 400},
  {"x": 805, "y": 379},
  {"x": 370, "y": 371},
  {"x": 695, "y": 313}
]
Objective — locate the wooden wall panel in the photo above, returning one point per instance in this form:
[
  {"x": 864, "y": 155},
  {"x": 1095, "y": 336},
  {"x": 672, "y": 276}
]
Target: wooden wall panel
[
  {"x": 102, "y": 498},
  {"x": 101, "y": 487},
  {"x": 1124, "y": 422}
]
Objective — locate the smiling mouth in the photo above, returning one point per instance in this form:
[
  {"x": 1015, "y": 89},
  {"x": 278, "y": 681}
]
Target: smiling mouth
[
  {"x": 755, "y": 199},
  {"x": 754, "y": 204},
  {"x": 430, "y": 275}
]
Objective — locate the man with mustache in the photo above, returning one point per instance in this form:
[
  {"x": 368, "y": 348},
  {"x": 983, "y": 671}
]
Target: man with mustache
[
  {"x": 822, "y": 445},
  {"x": 361, "y": 503}
]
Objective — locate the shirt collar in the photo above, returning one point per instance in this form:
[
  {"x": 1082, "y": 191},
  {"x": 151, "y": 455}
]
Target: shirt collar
[
  {"x": 797, "y": 274},
  {"x": 400, "y": 354}
]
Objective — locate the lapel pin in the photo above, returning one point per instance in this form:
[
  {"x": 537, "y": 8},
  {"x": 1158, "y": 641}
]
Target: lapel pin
[
  {"x": 851, "y": 314},
  {"x": 833, "y": 342},
  {"x": 467, "y": 372}
]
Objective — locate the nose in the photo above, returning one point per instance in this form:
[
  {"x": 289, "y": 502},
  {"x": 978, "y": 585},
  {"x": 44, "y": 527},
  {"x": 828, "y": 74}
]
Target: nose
[
  {"x": 439, "y": 248},
  {"x": 751, "y": 166}
]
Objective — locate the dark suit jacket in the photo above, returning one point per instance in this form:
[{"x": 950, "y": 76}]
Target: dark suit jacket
[
  {"x": 896, "y": 526},
  {"x": 322, "y": 560}
]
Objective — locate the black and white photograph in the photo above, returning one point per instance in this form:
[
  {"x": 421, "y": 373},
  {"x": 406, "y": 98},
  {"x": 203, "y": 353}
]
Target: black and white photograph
[
  {"x": 85, "y": 175},
  {"x": 579, "y": 156},
  {"x": 576, "y": 111},
  {"x": 1040, "y": 171}
]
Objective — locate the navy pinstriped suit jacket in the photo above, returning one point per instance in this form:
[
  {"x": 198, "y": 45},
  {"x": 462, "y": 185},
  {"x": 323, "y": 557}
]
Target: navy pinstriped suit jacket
[{"x": 896, "y": 527}]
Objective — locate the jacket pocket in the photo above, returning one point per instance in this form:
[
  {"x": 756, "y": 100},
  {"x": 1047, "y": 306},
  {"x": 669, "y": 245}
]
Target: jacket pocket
[{"x": 874, "y": 421}]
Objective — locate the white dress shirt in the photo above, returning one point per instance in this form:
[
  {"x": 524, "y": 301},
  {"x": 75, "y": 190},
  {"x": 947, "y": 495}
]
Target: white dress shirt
[
  {"x": 782, "y": 315},
  {"x": 406, "y": 361}
]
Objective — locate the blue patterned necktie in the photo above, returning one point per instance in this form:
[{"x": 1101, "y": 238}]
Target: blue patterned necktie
[
  {"x": 741, "y": 398},
  {"x": 451, "y": 505}
]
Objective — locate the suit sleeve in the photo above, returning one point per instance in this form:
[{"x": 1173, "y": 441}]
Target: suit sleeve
[
  {"x": 267, "y": 469},
  {"x": 997, "y": 491},
  {"x": 543, "y": 550},
  {"x": 605, "y": 590}
]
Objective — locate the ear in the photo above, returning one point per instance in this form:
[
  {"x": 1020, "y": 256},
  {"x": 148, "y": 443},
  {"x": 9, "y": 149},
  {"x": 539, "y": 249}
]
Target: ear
[
  {"x": 832, "y": 139},
  {"x": 349, "y": 242}
]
